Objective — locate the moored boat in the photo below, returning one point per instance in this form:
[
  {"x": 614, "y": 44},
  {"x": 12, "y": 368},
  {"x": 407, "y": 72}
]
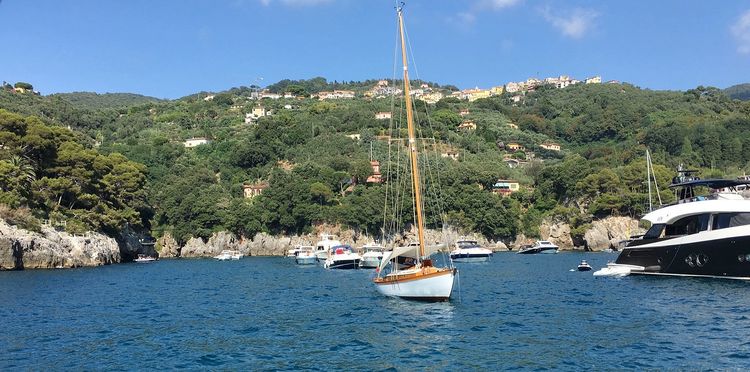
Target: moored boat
[
  {"x": 540, "y": 246},
  {"x": 467, "y": 250},
  {"x": 584, "y": 266},
  {"x": 421, "y": 281},
  {"x": 142, "y": 258},
  {"x": 700, "y": 235},
  {"x": 372, "y": 253},
  {"x": 342, "y": 257},
  {"x": 298, "y": 248},
  {"x": 306, "y": 256},
  {"x": 323, "y": 247},
  {"x": 226, "y": 255}
]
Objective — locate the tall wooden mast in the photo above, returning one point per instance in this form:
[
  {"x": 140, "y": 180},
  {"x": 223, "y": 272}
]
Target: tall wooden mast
[{"x": 416, "y": 187}]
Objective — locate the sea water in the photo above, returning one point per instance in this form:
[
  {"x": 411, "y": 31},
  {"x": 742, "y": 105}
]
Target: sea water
[{"x": 514, "y": 312}]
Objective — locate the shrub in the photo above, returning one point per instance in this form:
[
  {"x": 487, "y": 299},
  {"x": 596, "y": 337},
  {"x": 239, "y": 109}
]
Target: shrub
[{"x": 20, "y": 217}]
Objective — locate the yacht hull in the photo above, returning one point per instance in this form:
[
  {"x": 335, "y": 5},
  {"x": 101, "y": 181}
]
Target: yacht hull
[
  {"x": 346, "y": 264},
  {"x": 306, "y": 260},
  {"x": 369, "y": 262},
  {"x": 538, "y": 250},
  {"x": 432, "y": 286},
  {"x": 468, "y": 257},
  {"x": 726, "y": 256}
]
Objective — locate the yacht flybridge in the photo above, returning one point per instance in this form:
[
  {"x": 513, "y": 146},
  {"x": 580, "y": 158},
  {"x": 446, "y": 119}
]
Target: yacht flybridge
[{"x": 700, "y": 235}]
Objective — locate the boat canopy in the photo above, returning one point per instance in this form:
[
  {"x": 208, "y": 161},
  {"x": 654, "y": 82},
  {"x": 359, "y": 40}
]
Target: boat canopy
[
  {"x": 672, "y": 213},
  {"x": 408, "y": 251},
  {"x": 711, "y": 183}
]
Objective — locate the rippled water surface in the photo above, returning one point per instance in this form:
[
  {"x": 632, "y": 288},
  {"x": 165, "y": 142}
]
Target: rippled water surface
[{"x": 515, "y": 312}]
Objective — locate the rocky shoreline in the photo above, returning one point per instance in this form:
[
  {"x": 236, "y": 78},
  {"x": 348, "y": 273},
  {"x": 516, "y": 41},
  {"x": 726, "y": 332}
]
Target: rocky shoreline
[{"x": 22, "y": 249}]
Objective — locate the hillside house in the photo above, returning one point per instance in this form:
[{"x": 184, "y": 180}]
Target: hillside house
[
  {"x": 375, "y": 177},
  {"x": 464, "y": 112},
  {"x": 451, "y": 154},
  {"x": 505, "y": 187},
  {"x": 257, "y": 113},
  {"x": 467, "y": 125},
  {"x": 593, "y": 80},
  {"x": 336, "y": 94},
  {"x": 512, "y": 87},
  {"x": 552, "y": 146},
  {"x": 209, "y": 97},
  {"x": 515, "y": 146},
  {"x": 250, "y": 191},
  {"x": 196, "y": 141},
  {"x": 432, "y": 98},
  {"x": 384, "y": 115},
  {"x": 269, "y": 95},
  {"x": 511, "y": 125}
]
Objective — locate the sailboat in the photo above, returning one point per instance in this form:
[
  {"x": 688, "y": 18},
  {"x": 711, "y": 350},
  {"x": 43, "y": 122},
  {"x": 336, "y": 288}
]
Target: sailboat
[{"x": 421, "y": 280}]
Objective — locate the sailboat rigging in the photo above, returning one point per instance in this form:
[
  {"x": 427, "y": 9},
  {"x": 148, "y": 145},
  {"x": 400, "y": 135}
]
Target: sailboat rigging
[{"x": 421, "y": 280}]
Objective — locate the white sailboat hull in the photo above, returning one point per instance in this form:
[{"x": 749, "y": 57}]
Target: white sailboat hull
[{"x": 427, "y": 288}]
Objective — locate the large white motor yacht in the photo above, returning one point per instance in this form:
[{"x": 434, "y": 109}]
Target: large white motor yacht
[{"x": 704, "y": 236}]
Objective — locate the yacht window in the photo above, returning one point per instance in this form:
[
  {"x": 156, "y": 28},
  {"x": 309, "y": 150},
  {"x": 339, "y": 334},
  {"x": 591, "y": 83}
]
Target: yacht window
[
  {"x": 656, "y": 231},
  {"x": 689, "y": 225},
  {"x": 724, "y": 220}
]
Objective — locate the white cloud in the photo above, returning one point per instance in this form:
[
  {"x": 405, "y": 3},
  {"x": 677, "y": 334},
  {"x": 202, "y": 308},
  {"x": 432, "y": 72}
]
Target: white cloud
[
  {"x": 497, "y": 4},
  {"x": 469, "y": 16},
  {"x": 575, "y": 24},
  {"x": 741, "y": 31}
]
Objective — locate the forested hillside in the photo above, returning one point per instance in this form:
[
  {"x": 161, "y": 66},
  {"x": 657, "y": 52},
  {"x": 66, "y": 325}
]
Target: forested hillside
[{"x": 315, "y": 156}]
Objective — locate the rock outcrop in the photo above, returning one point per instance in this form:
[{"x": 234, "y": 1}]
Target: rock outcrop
[
  {"x": 22, "y": 249},
  {"x": 609, "y": 232},
  {"x": 558, "y": 233}
]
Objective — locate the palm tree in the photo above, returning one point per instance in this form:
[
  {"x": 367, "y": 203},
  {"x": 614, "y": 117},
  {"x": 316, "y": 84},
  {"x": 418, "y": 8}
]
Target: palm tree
[{"x": 24, "y": 171}]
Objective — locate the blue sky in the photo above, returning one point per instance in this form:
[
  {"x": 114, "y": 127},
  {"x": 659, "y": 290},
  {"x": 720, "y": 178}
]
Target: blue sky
[{"x": 172, "y": 48}]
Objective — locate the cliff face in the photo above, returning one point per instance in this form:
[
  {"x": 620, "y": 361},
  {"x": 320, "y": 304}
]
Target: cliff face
[
  {"x": 268, "y": 245},
  {"x": 603, "y": 234},
  {"x": 22, "y": 249},
  {"x": 607, "y": 233}
]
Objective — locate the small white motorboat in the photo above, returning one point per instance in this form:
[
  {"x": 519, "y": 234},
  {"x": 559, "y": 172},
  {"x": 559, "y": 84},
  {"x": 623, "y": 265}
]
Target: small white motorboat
[
  {"x": 142, "y": 258},
  {"x": 306, "y": 257},
  {"x": 227, "y": 255},
  {"x": 584, "y": 266},
  {"x": 371, "y": 256},
  {"x": 292, "y": 253}
]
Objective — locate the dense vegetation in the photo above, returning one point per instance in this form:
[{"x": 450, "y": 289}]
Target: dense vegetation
[
  {"x": 316, "y": 173},
  {"x": 95, "y": 101},
  {"x": 45, "y": 168}
]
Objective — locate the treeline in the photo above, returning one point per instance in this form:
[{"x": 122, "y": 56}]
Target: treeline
[
  {"x": 319, "y": 84},
  {"x": 46, "y": 170}
]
